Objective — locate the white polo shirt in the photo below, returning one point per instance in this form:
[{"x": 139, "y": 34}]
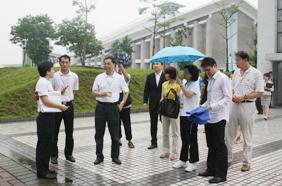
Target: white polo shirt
[
  {"x": 61, "y": 80},
  {"x": 114, "y": 83},
  {"x": 219, "y": 97},
  {"x": 190, "y": 103},
  {"x": 250, "y": 81},
  {"x": 43, "y": 86}
]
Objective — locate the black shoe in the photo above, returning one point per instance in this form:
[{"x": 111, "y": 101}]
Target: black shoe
[
  {"x": 120, "y": 144},
  {"x": 206, "y": 174},
  {"x": 130, "y": 145},
  {"x": 54, "y": 160},
  {"x": 70, "y": 158},
  {"x": 98, "y": 161},
  {"x": 52, "y": 171},
  {"x": 48, "y": 176},
  {"x": 260, "y": 113},
  {"x": 217, "y": 180},
  {"x": 153, "y": 146},
  {"x": 116, "y": 161}
]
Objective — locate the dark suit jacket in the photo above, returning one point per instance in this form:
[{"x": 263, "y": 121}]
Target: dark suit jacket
[{"x": 152, "y": 91}]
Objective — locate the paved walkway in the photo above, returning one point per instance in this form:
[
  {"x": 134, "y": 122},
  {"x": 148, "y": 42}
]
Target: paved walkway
[{"x": 140, "y": 166}]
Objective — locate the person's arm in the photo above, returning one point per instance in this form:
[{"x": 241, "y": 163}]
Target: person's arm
[
  {"x": 95, "y": 90},
  {"x": 227, "y": 94},
  {"x": 124, "y": 72},
  {"x": 125, "y": 91},
  {"x": 186, "y": 92},
  {"x": 146, "y": 91},
  {"x": 50, "y": 103}
]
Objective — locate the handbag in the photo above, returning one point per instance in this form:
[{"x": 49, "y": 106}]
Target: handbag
[{"x": 169, "y": 107}]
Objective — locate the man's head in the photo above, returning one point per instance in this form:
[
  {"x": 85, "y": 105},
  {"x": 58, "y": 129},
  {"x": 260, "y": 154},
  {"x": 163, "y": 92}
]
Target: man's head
[
  {"x": 242, "y": 59},
  {"x": 209, "y": 66},
  {"x": 46, "y": 70},
  {"x": 64, "y": 62},
  {"x": 266, "y": 76},
  {"x": 109, "y": 65},
  {"x": 158, "y": 67}
]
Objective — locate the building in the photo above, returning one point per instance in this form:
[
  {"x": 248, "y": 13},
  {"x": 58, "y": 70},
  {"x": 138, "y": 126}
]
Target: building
[
  {"x": 206, "y": 34},
  {"x": 270, "y": 43}
]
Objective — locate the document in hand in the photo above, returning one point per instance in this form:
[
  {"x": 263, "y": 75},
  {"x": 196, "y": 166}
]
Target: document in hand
[
  {"x": 199, "y": 115},
  {"x": 54, "y": 96}
]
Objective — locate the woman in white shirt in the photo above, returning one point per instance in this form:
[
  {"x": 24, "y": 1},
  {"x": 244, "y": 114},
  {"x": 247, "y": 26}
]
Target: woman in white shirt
[
  {"x": 190, "y": 99},
  {"x": 266, "y": 98}
]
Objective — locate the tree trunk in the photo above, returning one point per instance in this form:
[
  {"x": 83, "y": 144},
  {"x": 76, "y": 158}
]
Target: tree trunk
[{"x": 226, "y": 49}]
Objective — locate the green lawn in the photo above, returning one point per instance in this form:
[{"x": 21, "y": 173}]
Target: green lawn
[{"x": 17, "y": 90}]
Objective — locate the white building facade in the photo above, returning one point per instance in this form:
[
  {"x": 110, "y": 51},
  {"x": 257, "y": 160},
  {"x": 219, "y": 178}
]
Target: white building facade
[
  {"x": 270, "y": 43},
  {"x": 206, "y": 34}
]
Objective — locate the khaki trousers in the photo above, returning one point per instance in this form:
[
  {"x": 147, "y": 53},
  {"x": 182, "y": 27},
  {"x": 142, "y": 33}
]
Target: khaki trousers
[
  {"x": 174, "y": 124},
  {"x": 241, "y": 115}
]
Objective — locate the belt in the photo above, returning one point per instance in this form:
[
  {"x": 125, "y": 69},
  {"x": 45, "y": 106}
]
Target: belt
[
  {"x": 107, "y": 103},
  {"x": 247, "y": 101},
  {"x": 66, "y": 102}
]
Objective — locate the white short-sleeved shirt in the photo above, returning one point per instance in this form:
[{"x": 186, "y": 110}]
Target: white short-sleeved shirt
[
  {"x": 114, "y": 84},
  {"x": 61, "y": 80},
  {"x": 250, "y": 81},
  {"x": 42, "y": 88},
  {"x": 267, "y": 91},
  {"x": 190, "y": 103}
]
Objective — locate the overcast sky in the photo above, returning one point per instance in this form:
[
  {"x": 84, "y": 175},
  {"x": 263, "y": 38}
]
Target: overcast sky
[{"x": 108, "y": 16}]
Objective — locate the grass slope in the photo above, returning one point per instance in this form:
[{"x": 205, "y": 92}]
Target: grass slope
[{"x": 17, "y": 90}]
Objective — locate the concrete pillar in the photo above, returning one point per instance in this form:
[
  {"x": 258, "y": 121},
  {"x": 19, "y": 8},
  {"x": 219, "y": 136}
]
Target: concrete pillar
[
  {"x": 196, "y": 29},
  {"x": 161, "y": 43},
  {"x": 142, "y": 54},
  {"x": 208, "y": 51},
  {"x": 133, "y": 63}
]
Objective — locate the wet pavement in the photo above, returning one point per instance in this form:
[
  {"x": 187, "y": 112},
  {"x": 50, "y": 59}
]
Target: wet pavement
[{"x": 139, "y": 165}]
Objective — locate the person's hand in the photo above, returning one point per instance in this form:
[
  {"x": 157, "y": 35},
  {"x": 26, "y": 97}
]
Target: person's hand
[
  {"x": 179, "y": 81},
  {"x": 209, "y": 108},
  {"x": 63, "y": 107},
  {"x": 63, "y": 91},
  {"x": 238, "y": 99}
]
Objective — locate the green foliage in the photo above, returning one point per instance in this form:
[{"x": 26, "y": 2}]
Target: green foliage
[
  {"x": 125, "y": 44},
  {"x": 79, "y": 38},
  {"x": 17, "y": 93},
  {"x": 33, "y": 34}
]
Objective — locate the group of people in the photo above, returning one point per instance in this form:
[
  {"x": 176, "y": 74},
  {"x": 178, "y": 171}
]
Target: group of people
[{"x": 230, "y": 105}]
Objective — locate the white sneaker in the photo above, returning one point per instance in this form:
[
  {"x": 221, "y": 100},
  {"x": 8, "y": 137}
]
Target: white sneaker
[
  {"x": 179, "y": 164},
  {"x": 191, "y": 167}
]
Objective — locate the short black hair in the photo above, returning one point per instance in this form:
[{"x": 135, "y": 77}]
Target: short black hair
[
  {"x": 193, "y": 70},
  {"x": 111, "y": 58},
  {"x": 172, "y": 72},
  {"x": 267, "y": 75},
  {"x": 64, "y": 56},
  {"x": 44, "y": 67},
  {"x": 243, "y": 55},
  {"x": 208, "y": 62}
]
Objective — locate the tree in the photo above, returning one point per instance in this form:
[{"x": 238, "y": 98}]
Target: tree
[
  {"x": 33, "y": 34},
  {"x": 158, "y": 10},
  {"x": 227, "y": 12},
  {"x": 125, "y": 44},
  {"x": 72, "y": 34},
  {"x": 182, "y": 33}
]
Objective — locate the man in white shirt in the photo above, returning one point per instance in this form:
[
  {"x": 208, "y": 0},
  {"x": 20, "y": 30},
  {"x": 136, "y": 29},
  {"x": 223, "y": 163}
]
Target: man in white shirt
[
  {"x": 45, "y": 120},
  {"x": 247, "y": 85},
  {"x": 106, "y": 88},
  {"x": 218, "y": 104},
  {"x": 68, "y": 80}
]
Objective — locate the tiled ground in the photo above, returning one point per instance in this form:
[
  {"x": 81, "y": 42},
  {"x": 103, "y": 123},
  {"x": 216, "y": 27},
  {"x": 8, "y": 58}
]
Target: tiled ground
[{"x": 141, "y": 166}]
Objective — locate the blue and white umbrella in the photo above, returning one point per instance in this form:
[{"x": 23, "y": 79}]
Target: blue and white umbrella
[
  {"x": 177, "y": 54},
  {"x": 121, "y": 57}
]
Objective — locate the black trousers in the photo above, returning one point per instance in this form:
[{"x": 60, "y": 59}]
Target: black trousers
[
  {"x": 68, "y": 117},
  {"x": 45, "y": 133},
  {"x": 189, "y": 140},
  {"x": 258, "y": 105},
  {"x": 154, "y": 116},
  {"x": 107, "y": 113},
  {"x": 217, "y": 162},
  {"x": 126, "y": 120}
]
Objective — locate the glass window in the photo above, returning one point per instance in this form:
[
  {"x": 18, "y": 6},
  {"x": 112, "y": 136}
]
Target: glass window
[
  {"x": 279, "y": 40},
  {"x": 279, "y": 26},
  {"x": 279, "y": 15},
  {"x": 279, "y": 3}
]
